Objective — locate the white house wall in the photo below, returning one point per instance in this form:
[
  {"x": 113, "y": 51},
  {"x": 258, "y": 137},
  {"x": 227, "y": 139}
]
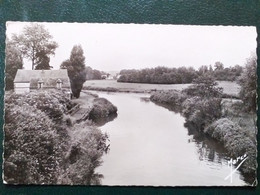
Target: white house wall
[{"x": 21, "y": 87}]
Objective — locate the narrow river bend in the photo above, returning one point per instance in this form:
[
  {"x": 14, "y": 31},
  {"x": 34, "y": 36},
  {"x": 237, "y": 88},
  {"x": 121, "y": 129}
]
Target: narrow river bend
[{"x": 149, "y": 145}]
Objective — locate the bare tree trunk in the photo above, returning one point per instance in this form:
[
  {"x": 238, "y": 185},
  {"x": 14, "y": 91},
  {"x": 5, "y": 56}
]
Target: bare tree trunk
[{"x": 33, "y": 58}]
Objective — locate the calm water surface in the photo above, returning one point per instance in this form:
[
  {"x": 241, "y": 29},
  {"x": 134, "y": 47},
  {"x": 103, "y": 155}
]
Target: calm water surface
[{"x": 149, "y": 145}]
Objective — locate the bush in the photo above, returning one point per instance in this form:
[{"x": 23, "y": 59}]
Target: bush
[
  {"x": 235, "y": 140},
  {"x": 38, "y": 147},
  {"x": 173, "y": 97},
  {"x": 88, "y": 144},
  {"x": 54, "y": 103},
  {"x": 201, "y": 112},
  {"x": 32, "y": 148},
  {"x": 102, "y": 108},
  {"x": 204, "y": 86}
]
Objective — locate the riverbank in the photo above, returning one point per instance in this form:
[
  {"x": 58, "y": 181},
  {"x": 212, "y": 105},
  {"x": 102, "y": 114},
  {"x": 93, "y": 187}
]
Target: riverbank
[
  {"x": 93, "y": 108},
  {"x": 44, "y": 144},
  {"x": 221, "y": 119}
]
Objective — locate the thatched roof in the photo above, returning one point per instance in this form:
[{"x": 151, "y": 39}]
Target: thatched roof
[{"x": 49, "y": 77}]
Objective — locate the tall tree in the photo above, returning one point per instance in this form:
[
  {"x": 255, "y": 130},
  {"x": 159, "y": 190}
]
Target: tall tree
[
  {"x": 247, "y": 81},
  {"x": 219, "y": 66},
  {"x": 33, "y": 40},
  {"x": 205, "y": 86},
  {"x": 76, "y": 69},
  {"x": 14, "y": 62}
]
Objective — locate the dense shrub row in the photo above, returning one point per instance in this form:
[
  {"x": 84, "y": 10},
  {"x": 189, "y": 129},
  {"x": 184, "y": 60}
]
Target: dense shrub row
[
  {"x": 172, "y": 97},
  {"x": 33, "y": 145},
  {"x": 41, "y": 147},
  {"x": 54, "y": 103},
  {"x": 235, "y": 140},
  {"x": 197, "y": 110}
]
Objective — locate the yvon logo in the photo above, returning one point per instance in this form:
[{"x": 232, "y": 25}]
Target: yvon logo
[{"x": 231, "y": 164}]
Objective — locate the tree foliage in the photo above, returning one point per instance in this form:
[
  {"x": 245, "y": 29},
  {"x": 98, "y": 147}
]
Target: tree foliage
[
  {"x": 226, "y": 74},
  {"x": 248, "y": 84},
  {"x": 204, "y": 86},
  {"x": 219, "y": 66},
  {"x": 181, "y": 75},
  {"x": 201, "y": 112},
  {"x": 76, "y": 69},
  {"x": 159, "y": 75},
  {"x": 43, "y": 61},
  {"x": 14, "y": 62},
  {"x": 34, "y": 137},
  {"x": 92, "y": 74},
  {"x": 35, "y": 43}
]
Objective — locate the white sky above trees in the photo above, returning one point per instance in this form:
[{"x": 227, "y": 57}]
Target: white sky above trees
[{"x": 113, "y": 47}]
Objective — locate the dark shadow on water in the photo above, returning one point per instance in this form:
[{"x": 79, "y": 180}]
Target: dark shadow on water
[
  {"x": 207, "y": 148},
  {"x": 175, "y": 109},
  {"x": 102, "y": 121},
  {"x": 145, "y": 99}
]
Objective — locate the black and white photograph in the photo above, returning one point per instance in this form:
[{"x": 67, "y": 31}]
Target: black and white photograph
[{"x": 130, "y": 104}]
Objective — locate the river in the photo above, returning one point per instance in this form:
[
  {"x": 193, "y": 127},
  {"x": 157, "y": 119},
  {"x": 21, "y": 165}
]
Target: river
[{"x": 149, "y": 145}]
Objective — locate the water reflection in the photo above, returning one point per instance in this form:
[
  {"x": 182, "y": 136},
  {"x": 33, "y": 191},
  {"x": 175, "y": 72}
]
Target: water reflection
[
  {"x": 210, "y": 150},
  {"x": 207, "y": 148},
  {"x": 145, "y": 99},
  {"x": 102, "y": 121}
]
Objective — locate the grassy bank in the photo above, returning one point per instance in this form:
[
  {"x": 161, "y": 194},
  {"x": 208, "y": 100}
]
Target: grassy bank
[
  {"x": 102, "y": 108},
  {"x": 93, "y": 108},
  {"x": 44, "y": 146},
  {"x": 229, "y": 88},
  {"x": 219, "y": 118}
]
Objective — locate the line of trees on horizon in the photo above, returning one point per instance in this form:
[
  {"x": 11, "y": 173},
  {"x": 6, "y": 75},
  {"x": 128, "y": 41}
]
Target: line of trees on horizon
[{"x": 182, "y": 75}]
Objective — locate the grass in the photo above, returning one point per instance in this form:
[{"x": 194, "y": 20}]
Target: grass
[
  {"x": 129, "y": 87},
  {"x": 230, "y": 88}
]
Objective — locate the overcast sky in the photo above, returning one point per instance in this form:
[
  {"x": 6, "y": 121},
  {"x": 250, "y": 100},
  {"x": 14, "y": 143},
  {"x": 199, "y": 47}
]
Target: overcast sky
[{"x": 111, "y": 47}]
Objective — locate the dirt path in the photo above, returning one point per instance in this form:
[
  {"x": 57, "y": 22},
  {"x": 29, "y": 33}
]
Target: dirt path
[{"x": 85, "y": 102}]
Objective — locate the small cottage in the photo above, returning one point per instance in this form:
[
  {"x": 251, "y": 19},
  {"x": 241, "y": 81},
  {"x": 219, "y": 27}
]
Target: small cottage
[{"x": 29, "y": 80}]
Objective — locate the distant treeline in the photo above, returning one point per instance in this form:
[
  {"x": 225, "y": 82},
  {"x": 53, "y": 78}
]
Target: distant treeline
[
  {"x": 93, "y": 74},
  {"x": 164, "y": 75}
]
